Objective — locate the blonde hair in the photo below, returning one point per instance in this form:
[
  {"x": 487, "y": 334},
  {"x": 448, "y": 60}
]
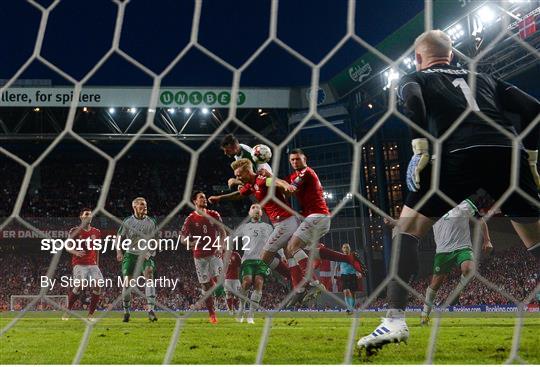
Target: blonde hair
[
  {"x": 137, "y": 200},
  {"x": 242, "y": 162},
  {"x": 434, "y": 43}
]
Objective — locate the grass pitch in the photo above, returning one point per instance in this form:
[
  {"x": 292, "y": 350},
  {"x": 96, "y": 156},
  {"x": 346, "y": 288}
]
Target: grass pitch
[{"x": 295, "y": 338}]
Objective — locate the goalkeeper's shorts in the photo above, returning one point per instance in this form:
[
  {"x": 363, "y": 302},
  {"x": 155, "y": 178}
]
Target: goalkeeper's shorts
[{"x": 464, "y": 172}]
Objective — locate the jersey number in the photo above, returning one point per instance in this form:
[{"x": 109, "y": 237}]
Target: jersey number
[{"x": 462, "y": 84}]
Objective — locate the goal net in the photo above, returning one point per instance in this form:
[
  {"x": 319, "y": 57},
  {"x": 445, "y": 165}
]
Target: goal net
[
  {"x": 37, "y": 302},
  {"x": 513, "y": 28}
]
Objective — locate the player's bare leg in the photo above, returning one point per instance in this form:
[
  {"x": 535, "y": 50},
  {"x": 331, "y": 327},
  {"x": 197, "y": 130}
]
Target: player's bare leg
[
  {"x": 255, "y": 298},
  {"x": 150, "y": 293}
]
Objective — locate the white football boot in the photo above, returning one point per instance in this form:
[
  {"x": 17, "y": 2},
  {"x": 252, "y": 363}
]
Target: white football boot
[{"x": 391, "y": 330}]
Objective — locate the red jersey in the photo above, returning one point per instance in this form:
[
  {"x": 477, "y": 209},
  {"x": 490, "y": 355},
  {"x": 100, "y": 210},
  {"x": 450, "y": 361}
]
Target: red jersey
[
  {"x": 90, "y": 255},
  {"x": 275, "y": 212},
  {"x": 309, "y": 192},
  {"x": 233, "y": 271},
  {"x": 208, "y": 231}
]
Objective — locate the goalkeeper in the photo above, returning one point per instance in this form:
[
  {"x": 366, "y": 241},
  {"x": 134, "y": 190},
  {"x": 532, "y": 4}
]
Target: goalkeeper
[{"x": 474, "y": 155}]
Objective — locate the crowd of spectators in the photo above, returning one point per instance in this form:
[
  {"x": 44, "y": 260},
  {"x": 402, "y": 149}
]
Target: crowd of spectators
[
  {"x": 21, "y": 274},
  {"x": 512, "y": 271}
]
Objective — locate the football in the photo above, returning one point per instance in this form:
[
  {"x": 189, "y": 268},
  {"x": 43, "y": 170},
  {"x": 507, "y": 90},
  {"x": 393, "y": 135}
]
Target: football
[{"x": 261, "y": 154}]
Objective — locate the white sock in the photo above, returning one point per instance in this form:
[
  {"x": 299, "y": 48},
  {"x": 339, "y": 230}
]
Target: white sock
[
  {"x": 292, "y": 262},
  {"x": 428, "y": 303},
  {"x": 463, "y": 281},
  {"x": 150, "y": 293},
  {"x": 274, "y": 263},
  {"x": 256, "y": 298},
  {"x": 300, "y": 255}
]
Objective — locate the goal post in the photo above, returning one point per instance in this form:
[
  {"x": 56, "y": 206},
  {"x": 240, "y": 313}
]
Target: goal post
[{"x": 18, "y": 302}]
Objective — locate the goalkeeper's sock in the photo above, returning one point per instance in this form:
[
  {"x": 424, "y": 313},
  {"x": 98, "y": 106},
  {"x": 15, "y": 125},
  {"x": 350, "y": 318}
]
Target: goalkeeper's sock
[
  {"x": 350, "y": 302},
  {"x": 150, "y": 293},
  {"x": 430, "y": 298},
  {"x": 126, "y": 303},
  {"x": 72, "y": 298},
  {"x": 463, "y": 281},
  {"x": 407, "y": 266},
  {"x": 93, "y": 303},
  {"x": 210, "y": 305},
  {"x": 395, "y": 313},
  {"x": 280, "y": 267}
]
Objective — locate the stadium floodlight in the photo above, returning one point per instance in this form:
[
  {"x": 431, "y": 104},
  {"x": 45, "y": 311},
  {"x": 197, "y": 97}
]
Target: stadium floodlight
[
  {"x": 171, "y": 111},
  {"x": 390, "y": 76},
  {"x": 486, "y": 14},
  {"x": 204, "y": 111},
  {"x": 456, "y": 32},
  {"x": 187, "y": 110},
  {"x": 85, "y": 109},
  {"x": 348, "y": 195},
  {"x": 409, "y": 62},
  {"x": 37, "y": 109},
  {"x": 328, "y": 195},
  {"x": 112, "y": 110},
  {"x": 132, "y": 110}
]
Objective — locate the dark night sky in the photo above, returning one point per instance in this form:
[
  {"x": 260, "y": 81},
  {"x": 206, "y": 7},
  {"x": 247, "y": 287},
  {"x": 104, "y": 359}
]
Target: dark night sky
[{"x": 80, "y": 32}]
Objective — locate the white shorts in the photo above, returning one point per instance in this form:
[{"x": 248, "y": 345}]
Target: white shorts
[
  {"x": 90, "y": 272},
  {"x": 232, "y": 287},
  {"x": 207, "y": 268},
  {"x": 281, "y": 234},
  {"x": 313, "y": 228}
]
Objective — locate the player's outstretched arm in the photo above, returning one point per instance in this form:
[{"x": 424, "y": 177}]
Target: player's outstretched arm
[
  {"x": 282, "y": 185},
  {"x": 225, "y": 197}
]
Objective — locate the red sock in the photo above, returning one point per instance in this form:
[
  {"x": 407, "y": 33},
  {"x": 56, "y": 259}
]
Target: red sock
[
  {"x": 326, "y": 253},
  {"x": 210, "y": 305},
  {"x": 283, "y": 270},
  {"x": 72, "y": 298},
  {"x": 230, "y": 303},
  {"x": 93, "y": 303},
  {"x": 296, "y": 275},
  {"x": 303, "y": 264}
]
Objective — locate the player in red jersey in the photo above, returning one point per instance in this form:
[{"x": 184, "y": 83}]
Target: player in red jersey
[
  {"x": 85, "y": 262},
  {"x": 232, "y": 281},
  {"x": 204, "y": 237},
  {"x": 283, "y": 221}
]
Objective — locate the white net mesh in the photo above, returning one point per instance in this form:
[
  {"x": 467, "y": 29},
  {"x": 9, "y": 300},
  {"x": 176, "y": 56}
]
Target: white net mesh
[{"x": 278, "y": 153}]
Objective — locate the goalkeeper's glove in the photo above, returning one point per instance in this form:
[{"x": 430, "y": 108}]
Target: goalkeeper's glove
[
  {"x": 533, "y": 165},
  {"x": 418, "y": 162}
]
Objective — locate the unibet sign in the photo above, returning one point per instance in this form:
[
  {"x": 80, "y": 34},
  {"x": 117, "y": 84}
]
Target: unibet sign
[{"x": 195, "y": 98}]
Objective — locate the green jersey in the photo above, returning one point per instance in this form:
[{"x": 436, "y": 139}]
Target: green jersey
[{"x": 136, "y": 229}]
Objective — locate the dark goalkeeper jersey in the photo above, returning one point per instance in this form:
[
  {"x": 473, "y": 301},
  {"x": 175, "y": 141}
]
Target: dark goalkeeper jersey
[{"x": 434, "y": 98}]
